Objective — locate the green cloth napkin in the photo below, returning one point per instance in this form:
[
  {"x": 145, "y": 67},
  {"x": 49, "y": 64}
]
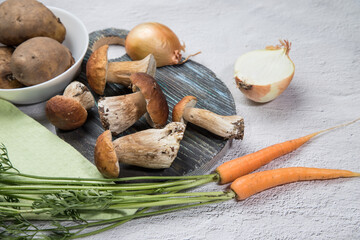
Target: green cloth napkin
[{"x": 33, "y": 149}]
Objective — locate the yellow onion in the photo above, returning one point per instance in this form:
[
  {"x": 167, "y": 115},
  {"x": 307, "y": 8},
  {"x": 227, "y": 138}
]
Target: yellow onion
[
  {"x": 157, "y": 39},
  {"x": 262, "y": 75}
]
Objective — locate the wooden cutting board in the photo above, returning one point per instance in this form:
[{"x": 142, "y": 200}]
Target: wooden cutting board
[{"x": 199, "y": 149}]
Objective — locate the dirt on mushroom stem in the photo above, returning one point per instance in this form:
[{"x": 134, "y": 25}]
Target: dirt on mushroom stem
[{"x": 228, "y": 127}]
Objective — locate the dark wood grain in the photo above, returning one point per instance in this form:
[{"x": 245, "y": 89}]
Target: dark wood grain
[{"x": 199, "y": 147}]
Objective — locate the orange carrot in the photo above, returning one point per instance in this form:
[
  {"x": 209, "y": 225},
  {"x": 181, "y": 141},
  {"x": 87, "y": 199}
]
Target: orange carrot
[
  {"x": 253, "y": 183},
  {"x": 231, "y": 170}
]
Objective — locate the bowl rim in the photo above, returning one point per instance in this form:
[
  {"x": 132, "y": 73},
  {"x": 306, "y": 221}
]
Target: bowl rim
[{"x": 69, "y": 69}]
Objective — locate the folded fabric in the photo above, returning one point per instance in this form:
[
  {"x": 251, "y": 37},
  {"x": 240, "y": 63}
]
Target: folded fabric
[{"x": 33, "y": 149}]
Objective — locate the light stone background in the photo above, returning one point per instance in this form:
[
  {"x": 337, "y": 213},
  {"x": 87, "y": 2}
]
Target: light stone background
[{"x": 325, "y": 91}]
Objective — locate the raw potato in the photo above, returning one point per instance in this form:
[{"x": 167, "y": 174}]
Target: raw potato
[
  {"x": 6, "y": 78},
  {"x": 21, "y": 20},
  {"x": 40, "y": 59}
]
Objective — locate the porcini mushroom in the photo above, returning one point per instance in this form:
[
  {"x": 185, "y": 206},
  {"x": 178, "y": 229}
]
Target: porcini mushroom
[
  {"x": 224, "y": 126},
  {"x": 99, "y": 71},
  {"x": 69, "y": 111},
  {"x": 7, "y": 80},
  {"x": 118, "y": 113},
  {"x": 151, "y": 148}
]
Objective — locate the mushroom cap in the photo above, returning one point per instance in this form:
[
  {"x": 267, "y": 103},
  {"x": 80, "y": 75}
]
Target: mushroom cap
[
  {"x": 96, "y": 69},
  {"x": 65, "y": 113},
  {"x": 178, "y": 110},
  {"x": 106, "y": 160},
  {"x": 156, "y": 104},
  {"x": 7, "y": 81}
]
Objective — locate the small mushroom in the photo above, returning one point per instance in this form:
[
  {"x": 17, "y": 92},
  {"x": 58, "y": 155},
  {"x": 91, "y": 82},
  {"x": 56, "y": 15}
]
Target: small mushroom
[
  {"x": 118, "y": 113},
  {"x": 224, "y": 126},
  {"x": 99, "y": 71},
  {"x": 69, "y": 111},
  {"x": 7, "y": 80},
  {"x": 151, "y": 148}
]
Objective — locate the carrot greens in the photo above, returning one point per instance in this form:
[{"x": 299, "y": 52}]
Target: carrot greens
[{"x": 67, "y": 198}]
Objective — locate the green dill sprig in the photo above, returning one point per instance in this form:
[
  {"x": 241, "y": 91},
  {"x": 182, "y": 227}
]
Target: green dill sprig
[{"x": 5, "y": 163}]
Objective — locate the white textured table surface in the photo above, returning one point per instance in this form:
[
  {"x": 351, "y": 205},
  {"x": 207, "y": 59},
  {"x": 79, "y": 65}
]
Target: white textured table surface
[{"x": 325, "y": 91}]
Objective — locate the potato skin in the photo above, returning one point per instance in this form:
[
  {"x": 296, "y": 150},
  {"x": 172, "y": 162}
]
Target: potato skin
[
  {"x": 21, "y": 20},
  {"x": 6, "y": 78},
  {"x": 40, "y": 59}
]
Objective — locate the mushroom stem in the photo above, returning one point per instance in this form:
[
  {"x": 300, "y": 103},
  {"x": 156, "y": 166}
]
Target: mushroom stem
[
  {"x": 80, "y": 92},
  {"x": 99, "y": 70},
  {"x": 151, "y": 148},
  {"x": 119, "y": 72},
  {"x": 224, "y": 126},
  {"x": 118, "y": 113}
]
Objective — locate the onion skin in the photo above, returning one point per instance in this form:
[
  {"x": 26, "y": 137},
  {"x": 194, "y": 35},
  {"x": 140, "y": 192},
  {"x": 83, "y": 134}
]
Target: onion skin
[
  {"x": 266, "y": 93},
  {"x": 157, "y": 39},
  {"x": 263, "y": 93}
]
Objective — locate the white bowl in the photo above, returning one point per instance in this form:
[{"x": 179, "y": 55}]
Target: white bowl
[{"x": 77, "y": 40}]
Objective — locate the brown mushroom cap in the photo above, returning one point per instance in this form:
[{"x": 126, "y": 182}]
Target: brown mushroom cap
[
  {"x": 65, "y": 113},
  {"x": 7, "y": 81},
  {"x": 96, "y": 69},
  {"x": 178, "y": 110},
  {"x": 106, "y": 160},
  {"x": 156, "y": 104}
]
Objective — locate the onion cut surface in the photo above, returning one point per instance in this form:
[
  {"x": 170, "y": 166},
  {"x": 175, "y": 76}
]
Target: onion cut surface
[{"x": 262, "y": 75}]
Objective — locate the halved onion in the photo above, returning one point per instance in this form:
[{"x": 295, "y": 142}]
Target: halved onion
[{"x": 262, "y": 75}]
